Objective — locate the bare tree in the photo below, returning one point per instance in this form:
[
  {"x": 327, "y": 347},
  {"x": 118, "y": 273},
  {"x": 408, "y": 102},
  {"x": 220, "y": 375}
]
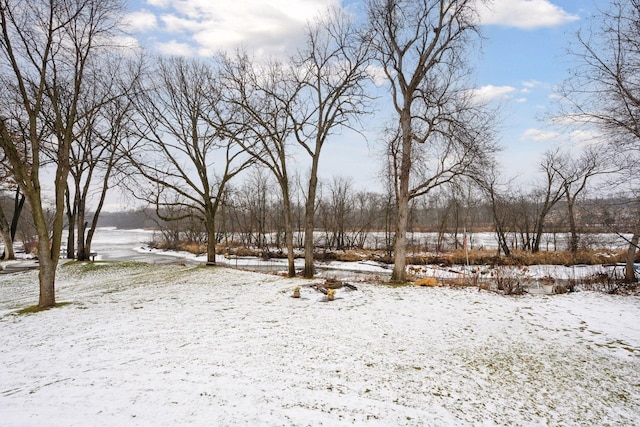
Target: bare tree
[
  {"x": 47, "y": 50},
  {"x": 366, "y": 217},
  {"x": 341, "y": 208},
  {"x": 575, "y": 174},
  {"x": 183, "y": 132},
  {"x": 499, "y": 197},
  {"x": 331, "y": 74},
  {"x": 98, "y": 151},
  {"x": 603, "y": 90},
  {"x": 441, "y": 132},
  {"x": 550, "y": 191},
  {"x": 265, "y": 95}
]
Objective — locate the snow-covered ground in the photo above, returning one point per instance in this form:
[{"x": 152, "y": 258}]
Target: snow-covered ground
[{"x": 167, "y": 345}]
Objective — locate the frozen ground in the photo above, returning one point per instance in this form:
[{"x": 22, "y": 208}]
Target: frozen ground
[{"x": 167, "y": 345}]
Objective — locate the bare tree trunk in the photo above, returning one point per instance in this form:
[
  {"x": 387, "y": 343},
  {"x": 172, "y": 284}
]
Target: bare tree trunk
[
  {"x": 500, "y": 233},
  {"x": 12, "y": 228},
  {"x": 47, "y": 278},
  {"x": 211, "y": 242},
  {"x": 5, "y": 234},
  {"x": 629, "y": 271},
  {"x": 82, "y": 228},
  {"x": 288, "y": 237},
  {"x": 399, "y": 274},
  {"x": 18, "y": 204},
  {"x": 48, "y": 250},
  {"x": 288, "y": 224},
  {"x": 309, "y": 215},
  {"x": 573, "y": 229},
  {"x": 71, "y": 219}
]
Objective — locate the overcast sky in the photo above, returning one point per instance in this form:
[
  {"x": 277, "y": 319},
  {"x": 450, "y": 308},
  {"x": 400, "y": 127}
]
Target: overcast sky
[{"x": 522, "y": 60}]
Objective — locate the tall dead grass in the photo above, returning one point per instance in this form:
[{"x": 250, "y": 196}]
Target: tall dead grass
[{"x": 457, "y": 257}]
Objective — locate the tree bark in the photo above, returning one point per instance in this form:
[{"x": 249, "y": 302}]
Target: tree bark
[
  {"x": 399, "y": 274},
  {"x": 71, "y": 219},
  {"x": 48, "y": 248},
  {"x": 288, "y": 227},
  {"x": 17, "y": 211},
  {"x": 46, "y": 275},
  {"x": 5, "y": 234},
  {"x": 309, "y": 215},
  {"x": 629, "y": 271},
  {"x": 211, "y": 242}
]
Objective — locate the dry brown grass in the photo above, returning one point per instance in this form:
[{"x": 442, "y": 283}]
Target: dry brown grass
[
  {"x": 522, "y": 258},
  {"x": 190, "y": 247},
  {"x": 457, "y": 257}
]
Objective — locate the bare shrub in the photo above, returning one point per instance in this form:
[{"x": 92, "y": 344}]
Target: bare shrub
[
  {"x": 601, "y": 282},
  {"x": 510, "y": 281}
]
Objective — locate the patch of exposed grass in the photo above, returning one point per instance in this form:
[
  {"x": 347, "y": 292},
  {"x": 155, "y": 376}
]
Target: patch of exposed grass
[
  {"x": 92, "y": 266},
  {"x": 398, "y": 284},
  {"x": 37, "y": 309}
]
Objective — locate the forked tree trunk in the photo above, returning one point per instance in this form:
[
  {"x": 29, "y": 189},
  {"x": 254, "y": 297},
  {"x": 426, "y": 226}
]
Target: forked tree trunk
[
  {"x": 71, "y": 220},
  {"x": 18, "y": 204}
]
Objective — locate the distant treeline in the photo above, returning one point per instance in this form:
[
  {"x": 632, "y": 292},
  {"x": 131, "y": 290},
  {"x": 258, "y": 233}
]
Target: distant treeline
[{"x": 346, "y": 221}]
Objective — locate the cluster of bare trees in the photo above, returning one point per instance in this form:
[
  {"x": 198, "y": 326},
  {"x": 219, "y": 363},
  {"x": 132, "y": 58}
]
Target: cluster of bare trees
[
  {"x": 603, "y": 91},
  {"x": 252, "y": 217},
  {"x": 83, "y": 114},
  {"x": 52, "y": 69}
]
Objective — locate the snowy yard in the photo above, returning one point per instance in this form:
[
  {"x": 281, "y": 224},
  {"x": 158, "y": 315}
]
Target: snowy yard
[{"x": 167, "y": 345}]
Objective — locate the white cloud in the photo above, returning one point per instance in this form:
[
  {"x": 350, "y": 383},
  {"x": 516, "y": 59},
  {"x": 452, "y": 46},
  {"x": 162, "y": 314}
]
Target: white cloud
[
  {"x": 140, "y": 21},
  {"x": 174, "y": 47},
  {"x": 159, "y": 3},
  {"x": 177, "y": 24},
  {"x": 491, "y": 93},
  {"x": 575, "y": 137},
  {"x": 524, "y": 14},
  {"x": 214, "y": 25},
  {"x": 539, "y": 135},
  {"x": 377, "y": 74},
  {"x": 584, "y": 137},
  {"x": 530, "y": 84},
  {"x": 126, "y": 43}
]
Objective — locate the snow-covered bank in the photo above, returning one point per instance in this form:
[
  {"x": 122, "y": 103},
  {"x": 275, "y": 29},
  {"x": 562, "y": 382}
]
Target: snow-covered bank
[{"x": 182, "y": 345}]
